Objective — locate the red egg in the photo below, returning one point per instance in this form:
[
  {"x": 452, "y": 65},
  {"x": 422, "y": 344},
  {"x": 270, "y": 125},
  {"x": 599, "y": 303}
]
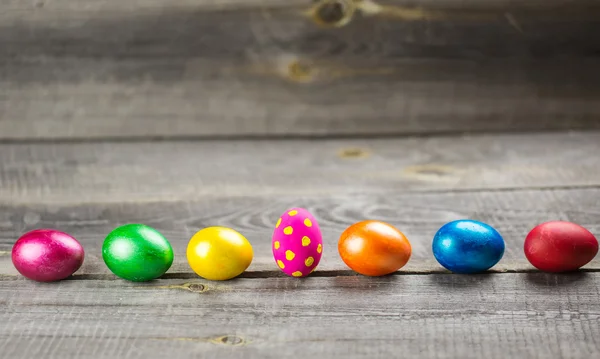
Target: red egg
[
  {"x": 560, "y": 246},
  {"x": 47, "y": 255}
]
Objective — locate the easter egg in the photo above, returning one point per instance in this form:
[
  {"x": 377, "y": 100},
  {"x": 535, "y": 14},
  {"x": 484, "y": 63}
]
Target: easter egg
[
  {"x": 560, "y": 246},
  {"x": 219, "y": 253},
  {"x": 47, "y": 255},
  {"x": 297, "y": 242},
  {"x": 137, "y": 252},
  {"x": 374, "y": 248},
  {"x": 467, "y": 246}
]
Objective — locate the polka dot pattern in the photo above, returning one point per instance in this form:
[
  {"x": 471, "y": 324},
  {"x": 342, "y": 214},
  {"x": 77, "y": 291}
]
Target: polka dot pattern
[
  {"x": 305, "y": 241},
  {"x": 297, "y": 243},
  {"x": 289, "y": 255}
]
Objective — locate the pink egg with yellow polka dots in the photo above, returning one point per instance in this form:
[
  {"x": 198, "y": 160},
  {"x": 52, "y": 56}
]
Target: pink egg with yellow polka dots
[{"x": 297, "y": 242}]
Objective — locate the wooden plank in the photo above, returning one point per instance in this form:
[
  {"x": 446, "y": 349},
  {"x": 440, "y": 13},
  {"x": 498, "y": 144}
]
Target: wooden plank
[
  {"x": 435, "y": 316},
  {"x": 184, "y": 68},
  {"x": 419, "y": 215},
  {"x": 76, "y": 173}
]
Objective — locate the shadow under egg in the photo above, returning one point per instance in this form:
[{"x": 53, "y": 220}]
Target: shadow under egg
[
  {"x": 460, "y": 281},
  {"x": 566, "y": 279},
  {"x": 366, "y": 284}
]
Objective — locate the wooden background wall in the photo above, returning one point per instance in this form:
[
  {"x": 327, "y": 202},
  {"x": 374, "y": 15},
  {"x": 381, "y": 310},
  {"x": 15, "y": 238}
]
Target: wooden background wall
[{"x": 72, "y": 69}]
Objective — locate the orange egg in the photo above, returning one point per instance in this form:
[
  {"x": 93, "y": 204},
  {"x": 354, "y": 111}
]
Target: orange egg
[{"x": 374, "y": 248}]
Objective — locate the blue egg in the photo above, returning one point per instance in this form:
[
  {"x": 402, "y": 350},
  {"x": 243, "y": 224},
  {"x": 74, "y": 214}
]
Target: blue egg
[{"x": 467, "y": 246}]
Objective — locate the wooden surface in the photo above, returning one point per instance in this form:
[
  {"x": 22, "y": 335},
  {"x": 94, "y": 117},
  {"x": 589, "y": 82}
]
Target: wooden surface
[
  {"x": 200, "y": 69},
  {"x": 419, "y": 216},
  {"x": 513, "y": 182},
  {"x": 183, "y": 114},
  {"x": 134, "y": 172},
  {"x": 428, "y": 316}
]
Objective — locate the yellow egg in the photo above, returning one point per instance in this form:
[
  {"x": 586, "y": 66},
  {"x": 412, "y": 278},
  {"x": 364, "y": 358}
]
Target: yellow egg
[{"x": 219, "y": 253}]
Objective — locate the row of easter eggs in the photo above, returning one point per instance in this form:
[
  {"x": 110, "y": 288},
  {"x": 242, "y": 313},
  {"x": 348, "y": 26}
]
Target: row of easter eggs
[{"x": 137, "y": 252}]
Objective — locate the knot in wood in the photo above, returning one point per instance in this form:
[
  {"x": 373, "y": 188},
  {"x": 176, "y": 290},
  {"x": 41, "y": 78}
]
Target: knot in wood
[
  {"x": 353, "y": 153},
  {"x": 195, "y": 287},
  {"x": 300, "y": 72},
  {"x": 432, "y": 172},
  {"x": 233, "y": 340},
  {"x": 333, "y": 13}
]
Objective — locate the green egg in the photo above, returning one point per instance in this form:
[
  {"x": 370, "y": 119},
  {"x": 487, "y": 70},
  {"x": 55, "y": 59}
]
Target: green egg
[{"x": 137, "y": 252}]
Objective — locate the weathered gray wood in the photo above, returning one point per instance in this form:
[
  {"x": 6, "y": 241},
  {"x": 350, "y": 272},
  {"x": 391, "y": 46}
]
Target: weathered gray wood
[
  {"x": 435, "y": 316},
  {"x": 419, "y": 215},
  {"x": 109, "y": 68},
  {"x": 509, "y": 181},
  {"x": 75, "y": 173}
]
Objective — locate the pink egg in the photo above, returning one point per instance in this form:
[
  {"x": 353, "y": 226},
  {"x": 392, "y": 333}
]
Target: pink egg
[
  {"x": 47, "y": 255},
  {"x": 297, "y": 242}
]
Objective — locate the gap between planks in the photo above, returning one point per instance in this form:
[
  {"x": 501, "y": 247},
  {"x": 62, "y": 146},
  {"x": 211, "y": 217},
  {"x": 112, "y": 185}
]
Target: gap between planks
[
  {"x": 315, "y": 274},
  {"x": 207, "y": 196},
  {"x": 317, "y": 137}
]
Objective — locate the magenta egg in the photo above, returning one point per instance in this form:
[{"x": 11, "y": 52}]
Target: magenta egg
[
  {"x": 297, "y": 242},
  {"x": 47, "y": 255}
]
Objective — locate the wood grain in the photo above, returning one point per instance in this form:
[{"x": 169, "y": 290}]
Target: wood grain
[
  {"x": 78, "y": 173},
  {"x": 513, "y": 182},
  {"x": 73, "y": 71},
  {"x": 109, "y": 68},
  {"x": 419, "y": 215},
  {"x": 434, "y": 316}
]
